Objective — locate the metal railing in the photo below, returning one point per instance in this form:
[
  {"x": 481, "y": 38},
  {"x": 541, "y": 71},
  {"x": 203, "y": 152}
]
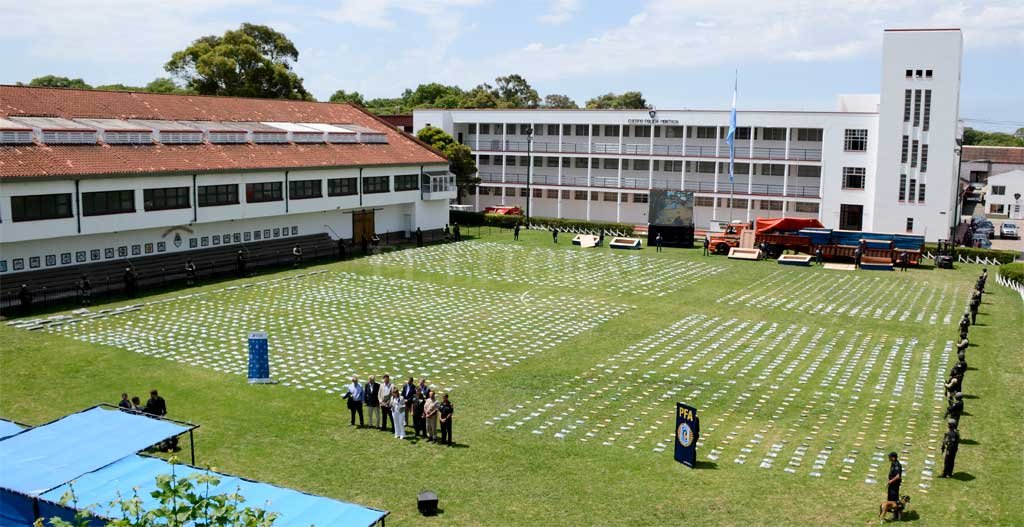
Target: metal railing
[
  {"x": 724, "y": 187},
  {"x": 658, "y": 149}
]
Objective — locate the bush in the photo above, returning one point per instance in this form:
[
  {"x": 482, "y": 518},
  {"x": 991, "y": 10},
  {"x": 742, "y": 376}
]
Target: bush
[
  {"x": 1012, "y": 271},
  {"x": 1002, "y": 257},
  {"x": 466, "y": 218},
  {"x": 507, "y": 221}
]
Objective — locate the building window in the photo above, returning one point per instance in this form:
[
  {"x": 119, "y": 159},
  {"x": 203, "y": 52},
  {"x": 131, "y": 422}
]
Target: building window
[
  {"x": 580, "y": 195},
  {"x": 566, "y": 162},
  {"x": 855, "y": 140},
  {"x": 110, "y": 202},
  {"x": 773, "y": 170},
  {"x": 625, "y": 164},
  {"x": 581, "y": 130},
  {"x": 523, "y": 193},
  {"x": 808, "y": 171},
  {"x": 524, "y": 129},
  {"x": 903, "y": 187},
  {"x": 771, "y": 205},
  {"x": 811, "y": 208},
  {"x": 510, "y": 161},
  {"x": 927, "y": 119},
  {"x": 642, "y": 131},
  {"x": 913, "y": 153},
  {"x": 641, "y": 164},
  {"x": 552, "y": 129},
  {"x": 484, "y": 160},
  {"x": 996, "y": 208},
  {"x": 998, "y": 190},
  {"x": 485, "y": 129},
  {"x": 565, "y": 194},
  {"x": 552, "y": 194},
  {"x": 481, "y": 191},
  {"x": 910, "y": 224},
  {"x": 913, "y": 188},
  {"x": 812, "y": 135},
  {"x": 552, "y": 162},
  {"x": 742, "y": 132},
  {"x": 376, "y": 185},
  {"x": 927, "y": 75},
  {"x": 348, "y": 186},
  {"x": 581, "y": 162},
  {"x": 407, "y": 182},
  {"x": 40, "y": 207},
  {"x": 611, "y": 130},
  {"x": 510, "y": 129},
  {"x": 704, "y": 167},
  {"x": 705, "y": 132},
  {"x": 610, "y": 164},
  {"x": 166, "y": 198},
  {"x": 924, "y": 158},
  {"x": 524, "y": 161},
  {"x": 703, "y": 201},
  {"x": 920, "y": 193},
  {"x": 611, "y": 196},
  {"x": 853, "y": 178},
  {"x": 917, "y": 107},
  {"x": 919, "y": 74},
  {"x": 656, "y": 165},
  {"x": 773, "y": 134},
  {"x": 217, "y": 195},
  {"x": 594, "y": 196},
  {"x": 640, "y": 198},
  {"x": 263, "y": 192},
  {"x": 907, "y": 97},
  {"x": 905, "y": 153},
  {"x": 910, "y": 73},
  {"x": 305, "y": 189},
  {"x": 538, "y": 193},
  {"x": 471, "y": 128},
  {"x": 510, "y": 192},
  {"x": 673, "y": 132},
  {"x": 673, "y": 166}
]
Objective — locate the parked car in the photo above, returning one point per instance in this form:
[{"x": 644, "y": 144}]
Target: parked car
[
  {"x": 981, "y": 241},
  {"x": 983, "y": 226},
  {"x": 1009, "y": 230}
]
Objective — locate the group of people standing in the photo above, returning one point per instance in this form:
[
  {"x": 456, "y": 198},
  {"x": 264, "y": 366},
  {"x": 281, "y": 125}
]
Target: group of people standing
[
  {"x": 155, "y": 406},
  {"x": 431, "y": 419}
]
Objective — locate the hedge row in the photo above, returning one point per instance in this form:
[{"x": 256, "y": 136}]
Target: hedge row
[
  {"x": 1013, "y": 271},
  {"x": 473, "y": 219},
  {"x": 1002, "y": 257}
]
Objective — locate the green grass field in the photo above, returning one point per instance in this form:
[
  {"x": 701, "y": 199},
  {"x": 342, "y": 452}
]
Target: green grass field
[{"x": 565, "y": 365}]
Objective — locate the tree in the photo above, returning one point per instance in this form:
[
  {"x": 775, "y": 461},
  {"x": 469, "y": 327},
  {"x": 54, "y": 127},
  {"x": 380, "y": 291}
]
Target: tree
[
  {"x": 483, "y": 96},
  {"x": 1019, "y": 134},
  {"x": 53, "y": 81},
  {"x": 514, "y": 92},
  {"x": 118, "y": 87},
  {"x": 555, "y": 100},
  {"x": 182, "y": 500},
  {"x": 460, "y": 159},
  {"x": 252, "y": 61},
  {"x": 631, "y": 100},
  {"x": 165, "y": 85},
  {"x": 433, "y": 95},
  {"x": 344, "y": 96},
  {"x": 983, "y": 138}
]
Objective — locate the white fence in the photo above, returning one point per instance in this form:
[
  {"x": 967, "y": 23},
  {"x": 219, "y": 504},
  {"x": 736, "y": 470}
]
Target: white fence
[{"x": 1019, "y": 288}]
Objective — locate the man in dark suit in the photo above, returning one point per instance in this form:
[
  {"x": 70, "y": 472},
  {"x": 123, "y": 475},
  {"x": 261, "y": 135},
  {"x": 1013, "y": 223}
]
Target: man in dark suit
[
  {"x": 371, "y": 393},
  {"x": 155, "y": 405}
]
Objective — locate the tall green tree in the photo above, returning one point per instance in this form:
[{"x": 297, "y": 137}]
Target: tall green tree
[
  {"x": 483, "y": 96},
  {"x": 344, "y": 96},
  {"x": 631, "y": 100},
  {"x": 165, "y": 85},
  {"x": 460, "y": 159},
  {"x": 53, "y": 81},
  {"x": 251, "y": 61},
  {"x": 983, "y": 138},
  {"x": 558, "y": 101},
  {"x": 514, "y": 91}
]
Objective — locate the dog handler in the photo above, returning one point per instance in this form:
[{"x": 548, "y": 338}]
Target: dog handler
[{"x": 895, "y": 477}]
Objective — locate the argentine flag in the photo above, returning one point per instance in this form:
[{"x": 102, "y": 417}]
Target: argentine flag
[{"x": 731, "y": 138}]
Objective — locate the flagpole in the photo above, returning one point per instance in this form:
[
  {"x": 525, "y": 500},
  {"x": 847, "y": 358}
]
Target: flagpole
[{"x": 731, "y": 140}]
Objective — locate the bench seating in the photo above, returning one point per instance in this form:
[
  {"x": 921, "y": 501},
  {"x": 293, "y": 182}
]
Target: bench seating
[{"x": 737, "y": 253}]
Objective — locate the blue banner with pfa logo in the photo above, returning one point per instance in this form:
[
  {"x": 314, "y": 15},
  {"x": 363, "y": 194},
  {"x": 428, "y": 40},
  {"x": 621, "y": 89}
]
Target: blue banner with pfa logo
[
  {"x": 687, "y": 433},
  {"x": 259, "y": 358}
]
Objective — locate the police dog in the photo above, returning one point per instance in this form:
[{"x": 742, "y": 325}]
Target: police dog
[{"x": 895, "y": 507}]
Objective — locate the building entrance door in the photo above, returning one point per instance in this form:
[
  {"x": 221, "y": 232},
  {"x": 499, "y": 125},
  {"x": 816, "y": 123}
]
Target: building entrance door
[
  {"x": 851, "y": 217},
  {"x": 362, "y": 226}
]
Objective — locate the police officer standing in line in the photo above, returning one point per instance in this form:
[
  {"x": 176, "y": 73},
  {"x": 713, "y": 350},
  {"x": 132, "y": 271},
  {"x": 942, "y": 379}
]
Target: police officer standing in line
[
  {"x": 515, "y": 232},
  {"x": 956, "y": 409},
  {"x": 817, "y": 255},
  {"x": 982, "y": 279},
  {"x": 975, "y": 303},
  {"x": 895, "y": 478},
  {"x": 965, "y": 324},
  {"x": 950, "y": 444},
  {"x": 707, "y": 243}
]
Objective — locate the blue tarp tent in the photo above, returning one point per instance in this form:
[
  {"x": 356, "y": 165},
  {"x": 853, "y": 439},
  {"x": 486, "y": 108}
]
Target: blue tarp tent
[
  {"x": 8, "y": 428},
  {"x": 295, "y": 509},
  {"x": 44, "y": 457}
]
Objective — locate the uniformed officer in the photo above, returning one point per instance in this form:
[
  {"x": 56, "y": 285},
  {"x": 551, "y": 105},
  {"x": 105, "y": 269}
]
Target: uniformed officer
[
  {"x": 446, "y": 410},
  {"x": 965, "y": 324},
  {"x": 952, "y": 387},
  {"x": 950, "y": 444},
  {"x": 956, "y": 409},
  {"x": 961, "y": 346},
  {"x": 895, "y": 478},
  {"x": 982, "y": 279},
  {"x": 975, "y": 304}
]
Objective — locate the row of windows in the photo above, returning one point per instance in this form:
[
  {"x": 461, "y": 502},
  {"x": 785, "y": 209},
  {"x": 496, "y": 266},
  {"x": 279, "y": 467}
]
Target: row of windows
[
  {"x": 915, "y": 191},
  {"x": 909, "y": 152},
  {"x": 53, "y": 206},
  {"x": 109, "y": 253},
  {"x": 657, "y": 165},
  {"x": 927, "y": 74},
  {"x": 613, "y": 130},
  {"x": 922, "y": 119},
  {"x": 699, "y": 201}
]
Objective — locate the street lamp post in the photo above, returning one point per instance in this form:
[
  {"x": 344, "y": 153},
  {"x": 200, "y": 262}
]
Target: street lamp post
[{"x": 529, "y": 172}]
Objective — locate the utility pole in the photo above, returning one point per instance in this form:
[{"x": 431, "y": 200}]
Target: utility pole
[{"x": 529, "y": 172}]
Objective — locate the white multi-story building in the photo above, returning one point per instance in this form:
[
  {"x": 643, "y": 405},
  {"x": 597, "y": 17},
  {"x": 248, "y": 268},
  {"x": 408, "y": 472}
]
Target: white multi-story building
[
  {"x": 879, "y": 162},
  {"x": 88, "y": 177}
]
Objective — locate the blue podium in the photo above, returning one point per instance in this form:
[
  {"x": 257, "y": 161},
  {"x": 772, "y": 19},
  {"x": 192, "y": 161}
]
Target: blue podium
[{"x": 259, "y": 358}]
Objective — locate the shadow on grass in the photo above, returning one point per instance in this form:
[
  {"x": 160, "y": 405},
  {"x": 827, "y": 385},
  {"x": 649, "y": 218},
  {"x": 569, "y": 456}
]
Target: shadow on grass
[
  {"x": 909, "y": 516},
  {"x": 963, "y": 476},
  {"x": 968, "y": 442},
  {"x": 966, "y": 396},
  {"x": 706, "y": 465}
]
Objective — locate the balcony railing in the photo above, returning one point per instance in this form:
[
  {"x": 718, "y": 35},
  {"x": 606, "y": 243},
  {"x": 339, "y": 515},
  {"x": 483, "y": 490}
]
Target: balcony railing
[
  {"x": 762, "y": 189},
  {"x": 545, "y": 147}
]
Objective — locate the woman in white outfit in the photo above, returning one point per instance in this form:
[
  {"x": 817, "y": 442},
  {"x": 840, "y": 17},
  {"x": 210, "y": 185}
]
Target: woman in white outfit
[{"x": 398, "y": 413}]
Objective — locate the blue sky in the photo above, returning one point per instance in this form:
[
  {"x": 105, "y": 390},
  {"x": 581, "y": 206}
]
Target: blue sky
[{"x": 791, "y": 54}]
